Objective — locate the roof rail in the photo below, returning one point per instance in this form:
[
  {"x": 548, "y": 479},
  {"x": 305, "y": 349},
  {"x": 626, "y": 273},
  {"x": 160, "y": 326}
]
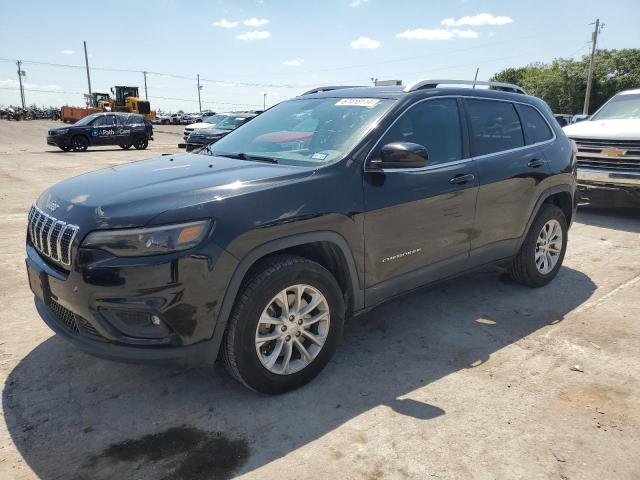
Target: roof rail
[
  {"x": 424, "y": 84},
  {"x": 328, "y": 89}
]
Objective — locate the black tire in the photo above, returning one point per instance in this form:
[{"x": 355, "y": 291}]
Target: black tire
[
  {"x": 126, "y": 146},
  {"x": 79, "y": 143},
  {"x": 523, "y": 269},
  {"x": 140, "y": 143},
  {"x": 271, "y": 276},
  {"x": 64, "y": 149}
]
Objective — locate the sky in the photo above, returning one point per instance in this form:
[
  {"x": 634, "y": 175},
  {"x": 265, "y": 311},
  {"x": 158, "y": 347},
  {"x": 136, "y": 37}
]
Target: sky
[{"x": 246, "y": 49}]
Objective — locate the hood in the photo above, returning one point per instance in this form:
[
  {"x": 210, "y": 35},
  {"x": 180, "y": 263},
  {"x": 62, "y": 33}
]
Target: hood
[
  {"x": 199, "y": 125},
  {"x": 133, "y": 194},
  {"x": 605, "y": 129}
]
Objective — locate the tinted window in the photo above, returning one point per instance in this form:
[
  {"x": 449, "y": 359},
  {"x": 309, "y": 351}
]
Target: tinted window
[
  {"x": 434, "y": 124},
  {"x": 537, "y": 128},
  {"x": 135, "y": 120},
  {"x": 495, "y": 126},
  {"x": 104, "y": 121}
]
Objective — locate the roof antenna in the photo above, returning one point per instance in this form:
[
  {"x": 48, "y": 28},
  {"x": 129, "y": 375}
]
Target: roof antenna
[{"x": 475, "y": 79}]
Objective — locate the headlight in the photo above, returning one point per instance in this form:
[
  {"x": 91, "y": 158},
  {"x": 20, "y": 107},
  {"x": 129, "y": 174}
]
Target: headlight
[
  {"x": 137, "y": 242},
  {"x": 61, "y": 131}
]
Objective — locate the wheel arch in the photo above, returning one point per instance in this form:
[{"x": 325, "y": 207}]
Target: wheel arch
[
  {"x": 327, "y": 248},
  {"x": 563, "y": 196}
]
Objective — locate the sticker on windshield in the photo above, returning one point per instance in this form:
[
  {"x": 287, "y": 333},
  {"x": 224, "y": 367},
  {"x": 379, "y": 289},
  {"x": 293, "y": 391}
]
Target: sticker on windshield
[
  {"x": 358, "y": 102},
  {"x": 319, "y": 156}
]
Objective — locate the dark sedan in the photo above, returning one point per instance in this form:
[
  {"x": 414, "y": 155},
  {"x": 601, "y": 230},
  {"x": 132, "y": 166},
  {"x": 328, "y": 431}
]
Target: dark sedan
[{"x": 206, "y": 136}]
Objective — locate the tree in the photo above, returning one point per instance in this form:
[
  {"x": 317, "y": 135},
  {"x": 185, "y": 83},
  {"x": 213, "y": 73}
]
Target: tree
[{"x": 563, "y": 82}]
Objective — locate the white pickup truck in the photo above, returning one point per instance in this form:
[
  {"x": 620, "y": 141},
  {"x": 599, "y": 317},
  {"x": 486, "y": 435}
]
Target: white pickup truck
[{"x": 609, "y": 151}]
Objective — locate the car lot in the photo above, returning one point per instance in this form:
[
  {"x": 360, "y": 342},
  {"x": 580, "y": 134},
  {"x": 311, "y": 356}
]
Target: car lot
[{"x": 468, "y": 378}]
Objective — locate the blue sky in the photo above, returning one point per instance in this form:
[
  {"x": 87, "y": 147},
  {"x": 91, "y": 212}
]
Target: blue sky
[{"x": 243, "y": 49}]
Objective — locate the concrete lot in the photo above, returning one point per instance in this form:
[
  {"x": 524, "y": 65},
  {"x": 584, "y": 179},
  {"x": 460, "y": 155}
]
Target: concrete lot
[{"x": 467, "y": 379}]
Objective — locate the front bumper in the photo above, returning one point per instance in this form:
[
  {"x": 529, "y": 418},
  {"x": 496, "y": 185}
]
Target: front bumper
[
  {"x": 58, "y": 140},
  {"x": 607, "y": 187},
  {"x": 610, "y": 178},
  {"x": 85, "y": 305}
]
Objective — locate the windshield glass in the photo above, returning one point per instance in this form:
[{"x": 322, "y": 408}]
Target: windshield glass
[
  {"x": 87, "y": 120},
  {"x": 301, "y": 131},
  {"x": 620, "y": 107},
  {"x": 215, "y": 119}
]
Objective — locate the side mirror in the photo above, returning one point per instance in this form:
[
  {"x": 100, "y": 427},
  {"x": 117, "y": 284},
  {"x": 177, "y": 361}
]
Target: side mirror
[{"x": 401, "y": 155}]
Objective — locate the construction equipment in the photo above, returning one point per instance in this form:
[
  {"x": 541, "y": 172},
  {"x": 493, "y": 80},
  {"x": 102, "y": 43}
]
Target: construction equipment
[{"x": 127, "y": 100}]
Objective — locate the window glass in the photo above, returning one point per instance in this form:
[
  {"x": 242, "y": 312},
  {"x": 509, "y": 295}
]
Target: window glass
[
  {"x": 434, "y": 124},
  {"x": 623, "y": 106},
  {"x": 135, "y": 120},
  {"x": 537, "y": 128},
  {"x": 104, "y": 121},
  {"x": 495, "y": 126}
]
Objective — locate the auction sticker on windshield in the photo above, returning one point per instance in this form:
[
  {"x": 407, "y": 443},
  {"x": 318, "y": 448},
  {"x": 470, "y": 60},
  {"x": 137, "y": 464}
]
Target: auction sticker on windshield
[{"x": 358, "y": 102}]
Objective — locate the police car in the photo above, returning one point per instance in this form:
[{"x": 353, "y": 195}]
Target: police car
[{"x": 108, "y": 128}]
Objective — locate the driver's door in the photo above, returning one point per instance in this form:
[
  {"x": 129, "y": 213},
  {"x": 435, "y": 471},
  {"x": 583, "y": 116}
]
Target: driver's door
[
  {"x": 103, "y": 130},
  {"x": 419, "y": 221}
]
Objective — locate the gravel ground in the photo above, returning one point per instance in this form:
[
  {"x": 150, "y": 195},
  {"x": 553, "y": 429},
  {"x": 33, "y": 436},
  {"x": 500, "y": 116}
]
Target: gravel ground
[{"x": 471, "y": 378}]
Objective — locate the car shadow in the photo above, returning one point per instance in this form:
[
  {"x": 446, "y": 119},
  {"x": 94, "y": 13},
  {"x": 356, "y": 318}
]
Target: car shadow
[
  {"x": 627, "y": 219},
  {"x": 74, "y": 416}
]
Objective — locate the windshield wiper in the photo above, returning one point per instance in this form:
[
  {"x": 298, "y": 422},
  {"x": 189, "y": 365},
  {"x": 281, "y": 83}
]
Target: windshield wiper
[{"x": 245, "y": 156}]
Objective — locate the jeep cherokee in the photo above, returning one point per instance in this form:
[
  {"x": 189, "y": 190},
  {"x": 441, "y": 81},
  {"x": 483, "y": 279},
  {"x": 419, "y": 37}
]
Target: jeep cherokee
[{"x": 319, "y": 209}]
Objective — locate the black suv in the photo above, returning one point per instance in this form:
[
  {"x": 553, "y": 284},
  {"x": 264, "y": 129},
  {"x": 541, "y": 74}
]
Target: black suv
[
  {"x": 124, "y": 129},
  {"x": 201, "y": 137},
  {"x": 322, "y": 207}
]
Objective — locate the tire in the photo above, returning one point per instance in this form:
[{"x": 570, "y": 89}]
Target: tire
[
  {"x": 125, "y": 146},
  {"x": 526, "y": 267},
  {"x": 140, "y": 143},
  {"x": 79, "y": 143},
  {"x": 64, "y": 149},
  {"x": 242, "y": 357}
]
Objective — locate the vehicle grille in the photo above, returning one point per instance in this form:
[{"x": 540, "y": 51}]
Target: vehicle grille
[
  {"x": 72, "y": 322},
  {"x": 51, "y": 237},
  {"x": 620, "y": 155}
]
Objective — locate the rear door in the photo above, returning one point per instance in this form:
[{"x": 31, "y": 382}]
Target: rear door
[
  {"x": 511, "y": 168},
  {"x": 418, "y": 221}
]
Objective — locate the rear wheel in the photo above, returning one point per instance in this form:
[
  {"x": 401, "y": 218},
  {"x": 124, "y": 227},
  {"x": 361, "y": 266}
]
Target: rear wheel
[
  {"x": 79, "y": 143},
  {"x": 285, "y": 325},
  {"x": 140, "y": 143},
  {"x": 126, "y": 146},
  {"x": 543, "y": 250}
]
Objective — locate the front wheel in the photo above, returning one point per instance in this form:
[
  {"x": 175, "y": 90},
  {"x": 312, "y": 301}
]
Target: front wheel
[
  {"x": 285, "y": 325},
  {"x": 543, "y": 250},
  {"x": 126, "y": 146},
  {"x": 140, "y": 143},
  {"x": 65, "y": 148},
  {"x": 79, "y": 143}
]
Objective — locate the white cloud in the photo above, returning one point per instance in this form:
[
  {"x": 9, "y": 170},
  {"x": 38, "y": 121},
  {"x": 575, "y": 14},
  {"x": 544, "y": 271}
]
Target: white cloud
[
  {"x": 357, "y": 3},
  {"x": 477, "y": 20},
  {"x": 68, "y": 52},
  {"x": 293, "y": 63},
  {"x": 10, "y": 83},
  {"x": 255, "y": 22},
  {"x": 436, "y": 34},
  {"x": 365, "y": 42},
  {"x": 224, "y": 23},
  {"x": 254, "y": 35}
]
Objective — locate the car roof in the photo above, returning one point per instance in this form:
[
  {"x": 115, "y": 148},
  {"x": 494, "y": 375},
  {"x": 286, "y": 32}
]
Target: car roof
[{"x": 398, "y": 92}]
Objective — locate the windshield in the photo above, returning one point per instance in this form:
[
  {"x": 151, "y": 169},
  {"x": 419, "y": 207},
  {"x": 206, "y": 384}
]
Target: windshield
[
  {"x": 231, "y": 122},
  {"x": 87, "y": 120},
  {"x": 215, "y": 119},
  {"x": 625, "y": 106},
  {"x": 301, "y": 131}
]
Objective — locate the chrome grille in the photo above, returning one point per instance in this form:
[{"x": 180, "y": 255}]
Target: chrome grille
[
  {"x": 51, "y": 237},
  {"x": 598, "y": 154}
]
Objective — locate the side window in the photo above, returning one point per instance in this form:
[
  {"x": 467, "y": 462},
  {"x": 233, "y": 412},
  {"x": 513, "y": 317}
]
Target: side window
[
  {"x": 495, "y": 126},
  {"x": 434, "y": 124},
  {"x": 537, "y": 129},
  {"x": 135, "y": 120},
  {"x": 104, "y": 121}
]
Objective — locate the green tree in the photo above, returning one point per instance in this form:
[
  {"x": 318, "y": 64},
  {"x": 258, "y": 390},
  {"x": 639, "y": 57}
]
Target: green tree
[{"x": 563, "y": 82}]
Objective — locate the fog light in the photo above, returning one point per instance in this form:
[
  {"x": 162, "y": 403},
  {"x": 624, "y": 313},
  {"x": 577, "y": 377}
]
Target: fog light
[
  {"x": 137, "y": 324},
  {"x": 155, "y": 320}
]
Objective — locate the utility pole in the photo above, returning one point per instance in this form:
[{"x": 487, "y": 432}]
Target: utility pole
[
  {"x": 86, "y": 61},
  {"x": 476, "y": 77},
  {"x": 199, "y": 88},
  {"x": 20, "y": 75},
  {"x": 146, "y": 97},
  {"x": 264, "y": 101},
  {"x": 594, "y": 40}
]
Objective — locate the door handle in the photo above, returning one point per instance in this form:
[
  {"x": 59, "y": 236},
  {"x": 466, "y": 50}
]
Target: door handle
[
  {"x": 535, "y": 163},
  {"x": 462, "y": 179}
]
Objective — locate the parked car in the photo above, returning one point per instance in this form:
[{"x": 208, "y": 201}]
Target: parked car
[
  {"x": 319, "y": 209},
  {"x": 208, "y": 122},
  {"x": 609, "y": 152},
  {"x": 206, "y": 136},
  {"x": 562, "y": 119},
  {"x": 98, "y": 129},
  {"x": 162, "y": 119}
]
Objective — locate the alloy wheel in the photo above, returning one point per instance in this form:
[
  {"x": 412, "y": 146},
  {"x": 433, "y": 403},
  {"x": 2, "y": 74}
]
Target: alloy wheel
[
  {"x": 292, "y": 329},
  {"x": 548, "y": 246}
]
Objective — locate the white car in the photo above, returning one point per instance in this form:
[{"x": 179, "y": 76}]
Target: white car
[
  {"x": 609, "y": 151},
  {"x": 208, "y": 122}
]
